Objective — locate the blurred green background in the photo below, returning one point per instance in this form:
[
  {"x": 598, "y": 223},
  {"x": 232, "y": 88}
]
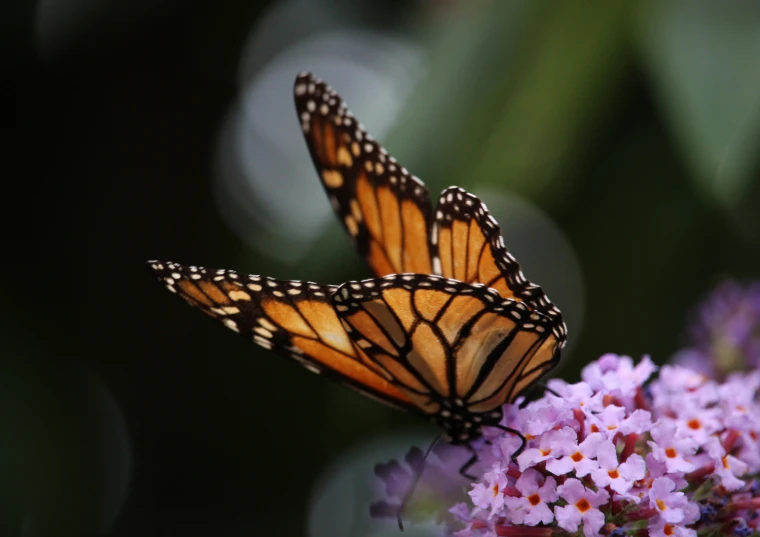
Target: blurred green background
[{"x": 617, "y": 143}]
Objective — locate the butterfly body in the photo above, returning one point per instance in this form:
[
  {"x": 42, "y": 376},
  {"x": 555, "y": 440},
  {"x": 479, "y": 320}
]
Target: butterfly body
[{"x": 449, "y": 328}]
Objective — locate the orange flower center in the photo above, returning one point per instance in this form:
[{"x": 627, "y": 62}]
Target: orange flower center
[
  {"x": 577, "y": 456},
  {"x": 668, "y": 530},
  {"x": 534, "y": 499},
  {"x": 583, "y": 505},
  {"x": 694, "y": 424},
  {"x": 613, "y": 474},
  {"x": 661, "y": 505},
  {"x": 671, "y": 453}
]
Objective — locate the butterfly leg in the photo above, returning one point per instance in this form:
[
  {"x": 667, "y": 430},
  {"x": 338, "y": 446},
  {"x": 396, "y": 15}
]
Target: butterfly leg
[
  {"x": 466, "y": 466},
  {"x": 523, "y": 440}
]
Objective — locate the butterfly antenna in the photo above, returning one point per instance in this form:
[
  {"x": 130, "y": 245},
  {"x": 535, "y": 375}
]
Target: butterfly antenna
[{"x": 418, "y": 473}]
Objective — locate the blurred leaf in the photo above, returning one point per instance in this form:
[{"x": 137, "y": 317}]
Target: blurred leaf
[
  {"x": 570, "y": 74},
  {"x": 703, "y": 60},
  {"x": 532, "y": 84},
  {"x": 470, "y": 52}
]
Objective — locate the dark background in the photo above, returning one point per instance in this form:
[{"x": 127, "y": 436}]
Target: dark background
[{"x": 617, "y": 145}]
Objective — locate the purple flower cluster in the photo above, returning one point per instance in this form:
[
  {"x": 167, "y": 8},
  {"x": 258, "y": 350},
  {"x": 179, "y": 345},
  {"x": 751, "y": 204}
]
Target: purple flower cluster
[
  {"x": 724, "y": 335},
  {"x": 622, "y": 453}
]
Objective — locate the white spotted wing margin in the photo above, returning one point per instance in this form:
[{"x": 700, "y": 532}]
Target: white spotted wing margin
[
  {"x": 385, "y": 210},
  {"x": 468, "y": 245},
  {"x": 292, "y": 318},
  {"x": 460, "y": 351}
]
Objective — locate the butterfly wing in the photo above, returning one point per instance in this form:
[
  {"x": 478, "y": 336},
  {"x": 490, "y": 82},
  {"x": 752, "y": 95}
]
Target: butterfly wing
[
  {"x": 445, "y": 340},
  {"x": 292, "y": 318},
  {"x": 385, "y": 210},
  {"x": 468, "y": 246}
]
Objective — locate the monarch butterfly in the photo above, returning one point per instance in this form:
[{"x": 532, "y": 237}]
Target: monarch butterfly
[{"x": 449, "y": 328}]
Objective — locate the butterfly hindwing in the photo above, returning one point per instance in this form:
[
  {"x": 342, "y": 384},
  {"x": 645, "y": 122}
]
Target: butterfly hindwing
[
  {"x": 468, "y": 245},
  {"x": 444, "y": 340},
  {"x": 385, "y": 210},
  {"x": 292, "y": 318}
]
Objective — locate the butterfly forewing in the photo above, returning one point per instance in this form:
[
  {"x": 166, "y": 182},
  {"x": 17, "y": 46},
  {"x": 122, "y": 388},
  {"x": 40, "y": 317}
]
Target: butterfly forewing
[
  {"x": 385, "y": 210},
  {"x": 446, "y": 341},
  {"x": 293, "y": 318}
]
